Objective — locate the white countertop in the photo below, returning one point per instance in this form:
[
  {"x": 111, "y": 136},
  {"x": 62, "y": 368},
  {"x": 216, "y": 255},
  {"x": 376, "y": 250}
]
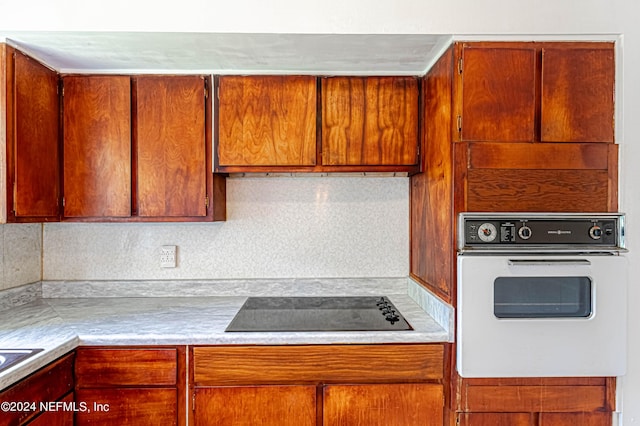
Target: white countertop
[{"x": 59, "y": 325}]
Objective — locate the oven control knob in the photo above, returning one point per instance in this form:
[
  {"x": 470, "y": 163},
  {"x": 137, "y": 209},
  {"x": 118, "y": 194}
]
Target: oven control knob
[
  {"x": 595, "y": 232},
  {"x": 524, "y": 232}
]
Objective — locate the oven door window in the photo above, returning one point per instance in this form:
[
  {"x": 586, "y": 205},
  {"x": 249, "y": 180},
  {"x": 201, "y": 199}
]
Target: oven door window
[{"x": 542, "y": 297}]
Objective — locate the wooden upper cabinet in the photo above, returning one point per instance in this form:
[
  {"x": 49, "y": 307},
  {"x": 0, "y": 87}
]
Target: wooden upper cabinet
[
  {"x": 577, "y": 102},
  {"x": 171, "y": 152},
  {"x": 97, "y": 146},
  {"x": 369, "y": 121},
  {"x": 496, "y": 94},
  {"x": 267, "y": 121},
  {"x": 33, "y": 166},
  {"x": 534, "y": 92}
]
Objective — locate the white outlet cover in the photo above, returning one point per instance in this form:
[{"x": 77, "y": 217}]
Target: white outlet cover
[{"x": 168, "y": 255}]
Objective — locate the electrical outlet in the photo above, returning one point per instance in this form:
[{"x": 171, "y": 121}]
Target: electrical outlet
[{"x": 168, "y": 256}]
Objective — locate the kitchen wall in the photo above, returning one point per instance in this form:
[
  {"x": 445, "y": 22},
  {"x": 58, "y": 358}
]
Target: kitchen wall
[
  {"x": 280, "y": 227},
  {"x": 20, "y": 251}
]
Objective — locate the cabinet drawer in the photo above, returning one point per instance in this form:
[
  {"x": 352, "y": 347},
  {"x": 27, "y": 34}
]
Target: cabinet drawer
[
  {"x": 126, "y": 367},
  {"x": 255, "y": 365}
]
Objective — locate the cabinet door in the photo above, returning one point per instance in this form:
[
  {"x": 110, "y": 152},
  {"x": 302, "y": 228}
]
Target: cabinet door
[
  {"x": 128, "y": 406},
  {"x": 267, "y": 121},
  {"x": 170, "y": 141},
  {"x": 256, "y": 405},
  {"x": 369, "y": 121},
  {"x": 577, "y": 102},
  {"x": 36, "y": 160},
  {"x": 497, "y": 419},
  {"x": 497, "y": 94},
  {"x": 97, "y": 146},
  {"x": 59, "y": 417},
  {"x": 573, "y": 419},
  {"x": 383, "y": 405}
]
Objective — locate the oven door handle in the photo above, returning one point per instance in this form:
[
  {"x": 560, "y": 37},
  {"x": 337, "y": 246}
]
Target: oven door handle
[{"x": 549, "y": 262}]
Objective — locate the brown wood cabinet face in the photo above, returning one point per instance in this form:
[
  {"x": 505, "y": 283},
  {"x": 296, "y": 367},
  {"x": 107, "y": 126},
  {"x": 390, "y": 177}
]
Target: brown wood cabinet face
[
  {"x": 577, "y": 99},
  {"x": 128, "y": 406},
  {"x": 267, "y": 121},
  {"x": 497, "y": 93},
  {"x": 125, "y": 367},
  {"x": 574, "y": 419},
  {"x": 59, "y": 417},
  {"x": 35, "y": 149},
  {"x": 246, "y": 365},
  {"x": 384, "y": 405},
  {"x": 497, "y": 419},
  {"x": 369, "y": 121},
  {"x": 170, "y": 142},
  {"x": 48, "y": 384},
  {"x": 431, "y": 206},
  {"x": 256, "y": 405},
  {"x": 97, "y": 146},
  {"x": 540, "y": 177}
]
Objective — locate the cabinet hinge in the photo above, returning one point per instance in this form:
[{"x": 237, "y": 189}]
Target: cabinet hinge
[
  {"x": 15, "y": 194},
  {"x": 62, "y": 201},
  {"x": 206, "y": 201},
  {"x": 459, "y": 123},
  {"x": 460, "y": 65}
]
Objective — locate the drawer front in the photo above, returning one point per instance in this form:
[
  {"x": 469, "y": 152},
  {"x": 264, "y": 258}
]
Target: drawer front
[
  {"x": 126, "y": 367},
  {"x": 237, "y": 365}
]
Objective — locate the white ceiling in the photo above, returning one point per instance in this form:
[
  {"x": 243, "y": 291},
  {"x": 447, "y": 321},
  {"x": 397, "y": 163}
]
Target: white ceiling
[{"x": 231, "y": 53}]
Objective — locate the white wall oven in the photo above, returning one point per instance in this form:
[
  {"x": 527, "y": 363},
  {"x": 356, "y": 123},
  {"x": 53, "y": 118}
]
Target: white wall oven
[{"x": 541, "y": 295}]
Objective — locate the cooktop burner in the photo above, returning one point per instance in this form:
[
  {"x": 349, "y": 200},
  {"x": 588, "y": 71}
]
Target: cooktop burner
[{"x": 342, "y": 313}]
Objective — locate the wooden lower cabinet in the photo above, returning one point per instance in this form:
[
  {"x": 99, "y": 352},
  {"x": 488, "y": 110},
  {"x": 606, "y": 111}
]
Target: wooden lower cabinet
[
  {"x": 131, "y": 386},
  {"x": 407, "y": 404},
  {"x": 44, "y": 388},
  {"x": 128, "y": 406},
  {"x": 57, "y": 417},
  {"x": 330, "y": 385},
  {"x": 534, "y": 419},
  {"x": 255, "y": 405}
]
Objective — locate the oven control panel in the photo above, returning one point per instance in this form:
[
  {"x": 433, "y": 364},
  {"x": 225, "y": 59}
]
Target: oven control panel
[{"x": 486, "y": 230}]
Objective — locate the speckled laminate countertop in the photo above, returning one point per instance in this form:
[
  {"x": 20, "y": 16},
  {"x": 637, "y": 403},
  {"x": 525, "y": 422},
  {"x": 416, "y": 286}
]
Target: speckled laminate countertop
[{"x": 59, "y": 325}]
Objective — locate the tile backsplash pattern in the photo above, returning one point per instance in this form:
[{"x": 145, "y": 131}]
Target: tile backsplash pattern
[
  {"x": 20, "y": 254},
  {"x": 295, "y": 227}
]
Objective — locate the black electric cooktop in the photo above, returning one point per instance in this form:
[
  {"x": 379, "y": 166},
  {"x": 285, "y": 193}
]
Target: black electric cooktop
[{"x": 343, "y": 313}]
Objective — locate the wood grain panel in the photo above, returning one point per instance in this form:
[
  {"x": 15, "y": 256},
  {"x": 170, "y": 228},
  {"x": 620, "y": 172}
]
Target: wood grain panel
[
  {"x": 36, "y": 155},
  {"x": 57, "y": 417},
  {"x": 369, "y": 121},
  {"x": 237, "y": 365},
  {"x": 97, "y": 146},
  {"x": 497, "y": 419},
  {"x": 256, "y": 405},
  {"x": 567, "y": 156},
  {"x": 577, "y": 98},
  {"x": 431, "y": 191},
  {"x": 535, "y": 398},
  {"x": 383, "y": 405},
  {"x": 574, "y": 419},
  {"x": 47, "y": 384},
  {"x": 129, "y": 407},
  {"x": 537, "y": 190},
  {"x": 267, "y": 121},
  {"x": 497, "y": 93},
  {"x": 125, "y": 367},
  {"x": 170, "y": 142}
]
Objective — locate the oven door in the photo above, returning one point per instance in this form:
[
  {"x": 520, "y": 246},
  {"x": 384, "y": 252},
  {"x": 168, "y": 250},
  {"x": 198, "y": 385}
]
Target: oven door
[{"x": 541, "y": 316}]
